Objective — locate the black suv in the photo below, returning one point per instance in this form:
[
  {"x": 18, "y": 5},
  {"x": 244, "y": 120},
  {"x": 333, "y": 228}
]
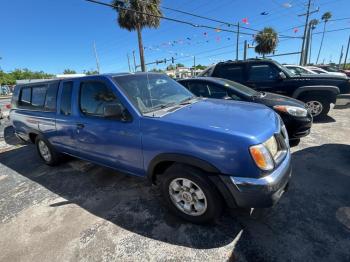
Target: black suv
[{"x": 317, "y": 91}]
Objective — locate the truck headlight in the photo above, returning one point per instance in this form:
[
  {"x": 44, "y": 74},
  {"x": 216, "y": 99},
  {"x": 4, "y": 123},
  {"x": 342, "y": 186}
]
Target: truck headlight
[
  {"x": 292, "y": 110},
  {"x": 263, "y": 154}
]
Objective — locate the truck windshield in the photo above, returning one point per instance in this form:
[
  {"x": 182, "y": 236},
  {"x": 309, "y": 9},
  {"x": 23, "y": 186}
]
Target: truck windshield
[{"x": 151, "y": 92}]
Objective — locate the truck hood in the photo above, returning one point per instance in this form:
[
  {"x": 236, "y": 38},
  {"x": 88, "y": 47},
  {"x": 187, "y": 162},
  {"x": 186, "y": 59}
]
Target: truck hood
[
  {"x": 319, "y": 76},
  {"x": 253, "y": 121}
]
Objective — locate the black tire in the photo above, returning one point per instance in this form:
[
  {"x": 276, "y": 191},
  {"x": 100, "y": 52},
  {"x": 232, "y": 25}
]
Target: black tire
[
  {"x": 55, "y": 156},
  {"x": 214, "y": 202},
  {"x": 294, "y": 142},
  {"x": 323, "y": 100}
]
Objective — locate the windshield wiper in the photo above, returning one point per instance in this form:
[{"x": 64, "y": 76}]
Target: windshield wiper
[
  {"x": 162, "y": 106},
  {"x": 187, "y": 101}
]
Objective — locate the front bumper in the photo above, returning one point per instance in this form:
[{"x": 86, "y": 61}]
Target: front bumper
[
  {"x": 260, "y": 192},
  {"x": 297, "y": 127}
]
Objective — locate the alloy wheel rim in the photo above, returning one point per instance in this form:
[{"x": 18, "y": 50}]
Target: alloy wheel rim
[
  {"x": 44, "y": 151},
  {"x": 314, "y": 107},
  {"x": 187, "y": 196}
]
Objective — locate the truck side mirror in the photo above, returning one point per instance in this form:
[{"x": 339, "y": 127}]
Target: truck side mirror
[{"x": 282, "y": 75}]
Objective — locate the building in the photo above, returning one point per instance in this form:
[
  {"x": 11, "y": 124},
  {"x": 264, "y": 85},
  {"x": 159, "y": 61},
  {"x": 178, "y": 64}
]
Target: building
[{"x": 183, "y": 72}]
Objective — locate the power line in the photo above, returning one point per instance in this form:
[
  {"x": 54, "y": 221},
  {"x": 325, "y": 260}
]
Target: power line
[
  {"x": 176, "y": 20},
  {"x": 163, "y": 17},
  {"x": 335, "y": 30}
]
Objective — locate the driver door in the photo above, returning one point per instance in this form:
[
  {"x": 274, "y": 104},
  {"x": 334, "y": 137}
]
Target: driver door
[{"x": 112, "y": 142}]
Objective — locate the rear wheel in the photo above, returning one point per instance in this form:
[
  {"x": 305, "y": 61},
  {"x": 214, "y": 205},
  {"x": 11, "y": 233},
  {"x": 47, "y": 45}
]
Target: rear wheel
[
  {"x": 47, "y": 153},
  {"x": 318, "y": 105},
  {"x": 190, "y": 195}
]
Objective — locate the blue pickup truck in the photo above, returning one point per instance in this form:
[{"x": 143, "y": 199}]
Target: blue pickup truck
[{"x": 202, "y": 153}]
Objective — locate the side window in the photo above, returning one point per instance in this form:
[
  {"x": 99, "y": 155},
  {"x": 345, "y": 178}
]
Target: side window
[
  {"x": 94, "y": 96},
  {"x": 216, "y": 91},
  {"x": 26, "y": 96},
  {"x": 38, "y": 96},
  {"x": 199, "y": 89},
  {"x": 230, "y": 72},
  {"x": 263, "y": 72},
  {"x": 51, "y": 97},
  {"x": 206, "y": 72},
  {"x": 66, "y": 98}
]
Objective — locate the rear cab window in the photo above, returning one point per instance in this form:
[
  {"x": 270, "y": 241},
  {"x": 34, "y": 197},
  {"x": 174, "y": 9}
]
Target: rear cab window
[
  {"x": 263, "y": 72},
  {"x": 234, "y": 72},
  {"x": 37, "y": 97}
]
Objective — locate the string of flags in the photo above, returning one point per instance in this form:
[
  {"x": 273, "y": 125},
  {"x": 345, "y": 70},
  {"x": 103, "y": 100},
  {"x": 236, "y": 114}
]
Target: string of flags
[{"x": 190, "y": 40}]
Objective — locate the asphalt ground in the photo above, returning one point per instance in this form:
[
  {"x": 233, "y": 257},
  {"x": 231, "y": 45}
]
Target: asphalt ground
[{"x": 79, "y": 211}]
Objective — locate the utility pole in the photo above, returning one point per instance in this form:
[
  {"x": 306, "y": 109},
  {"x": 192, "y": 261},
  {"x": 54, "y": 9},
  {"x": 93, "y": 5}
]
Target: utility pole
[
  {"x": 341, "y": 56},
  {"x": 346, "y": 54},
  {"x": 133, "y": 54},
  {"x": 303, "y": 46},
  {"x": 307, "y": 44},
  {"x": 194, "y": 65},
  {"x": 237, "y": 42},
  {"x": 310, "y": 47},
  {"x": 127, "y": 55},
  {"x": 245, "y": 50},
  {"x": 96, "y": 57}
]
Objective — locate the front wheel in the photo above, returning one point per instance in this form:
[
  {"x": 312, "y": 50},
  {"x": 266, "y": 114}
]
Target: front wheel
[
  {"x": 318, "y": 106},
  {"x": 190, "y": 195}
]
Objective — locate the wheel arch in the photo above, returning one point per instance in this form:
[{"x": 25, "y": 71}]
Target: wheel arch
[
  {"x": 32, "y": 135},
  {"x": 304, "y": 90},
  {"x": 161, "y": 162}
]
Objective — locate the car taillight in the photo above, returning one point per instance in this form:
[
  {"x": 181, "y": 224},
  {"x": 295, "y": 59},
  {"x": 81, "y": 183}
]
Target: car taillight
[{"x": 8, "y": 106}]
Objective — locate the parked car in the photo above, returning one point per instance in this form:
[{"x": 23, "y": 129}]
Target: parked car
[
  {"x": 332, "y": 69},
  {"x": 317, "y": 91},
  {"x": 199, "y": 151},
  {"x": 319, "y": 70},
  {"x": 345, "y": 71},
  {"x": 4, "y": 111},
  {"x": 299, "y": 70},
  {"x": 294, "y": 114}
]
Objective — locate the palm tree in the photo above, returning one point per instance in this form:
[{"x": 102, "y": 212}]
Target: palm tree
[
  {"x": 313, "y": 23},
  {"x": 132, "y": 21},
  {"x": 325, "y": 18},
  {"x": 266, "y": 40}
]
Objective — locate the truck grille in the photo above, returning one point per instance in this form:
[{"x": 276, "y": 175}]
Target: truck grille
[{"x": 283, "y": 144}]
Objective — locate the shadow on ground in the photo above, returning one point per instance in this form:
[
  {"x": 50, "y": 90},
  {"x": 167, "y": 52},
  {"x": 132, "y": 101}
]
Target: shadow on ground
[
  {"x": 325, "y": 119},
  {"x": 310, "y": 223},
  {"x": 10, "y": 137},
  {"x": 127, "y": 201}
]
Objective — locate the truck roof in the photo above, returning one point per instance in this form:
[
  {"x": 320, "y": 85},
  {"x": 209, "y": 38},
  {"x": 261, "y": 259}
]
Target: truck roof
[{"x": 58, "y": 79}]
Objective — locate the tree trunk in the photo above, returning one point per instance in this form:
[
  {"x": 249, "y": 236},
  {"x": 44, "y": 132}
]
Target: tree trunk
[
  {"x": 319, "y": 51},
  {"x": 141, "y": 50}
]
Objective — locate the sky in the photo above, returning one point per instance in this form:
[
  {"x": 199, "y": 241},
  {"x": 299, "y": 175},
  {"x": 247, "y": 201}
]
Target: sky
[{"x": 52, "y": 36}]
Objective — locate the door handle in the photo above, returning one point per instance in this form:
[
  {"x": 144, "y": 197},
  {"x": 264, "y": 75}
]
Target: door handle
[{"x": 80, "y": 125}]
